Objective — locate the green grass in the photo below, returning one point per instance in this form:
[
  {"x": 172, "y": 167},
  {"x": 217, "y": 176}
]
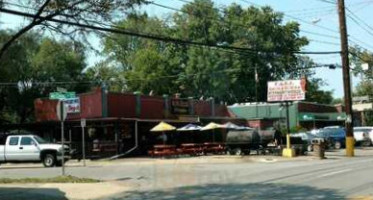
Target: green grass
[{"x": 58, "y": 179}]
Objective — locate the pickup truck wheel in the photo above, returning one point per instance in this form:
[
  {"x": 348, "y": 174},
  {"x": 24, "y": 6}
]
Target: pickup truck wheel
[{"x": 49, "y": 160}]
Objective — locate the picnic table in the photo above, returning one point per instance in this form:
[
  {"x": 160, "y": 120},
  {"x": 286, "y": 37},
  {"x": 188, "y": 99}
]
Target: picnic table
[
  {"x": 163, "y": 150},
  {"x": 213, "y": 147},
  {"x": 191, "y": 149}
]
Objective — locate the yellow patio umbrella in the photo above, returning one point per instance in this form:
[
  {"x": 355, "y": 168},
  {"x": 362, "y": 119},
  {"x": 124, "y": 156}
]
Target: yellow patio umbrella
[
  {"x": 211, "y": 126},
  {"x": 163, "y": 126}
]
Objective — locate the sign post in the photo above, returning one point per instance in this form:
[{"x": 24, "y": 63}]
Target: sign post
[
  {"x": 67, "y": 103},
  {"x": 287, "y": 91},
  {"x": 62, "y": 116},
  {"x": 83, "y": 124}
]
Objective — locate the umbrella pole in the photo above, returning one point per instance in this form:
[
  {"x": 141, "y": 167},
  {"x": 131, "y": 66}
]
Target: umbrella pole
[
  {"x": 213, "y": 136},
  {"x": 163, "y": 138}
]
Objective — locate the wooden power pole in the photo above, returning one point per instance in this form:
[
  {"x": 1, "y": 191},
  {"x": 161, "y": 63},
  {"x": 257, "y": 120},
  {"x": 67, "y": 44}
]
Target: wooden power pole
[{"x": 346, "y": 79}]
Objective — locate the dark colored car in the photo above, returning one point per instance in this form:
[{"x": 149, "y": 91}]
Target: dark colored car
[
  {"x": 335, "y": 137},
  {"x": 307, "y": 137}
]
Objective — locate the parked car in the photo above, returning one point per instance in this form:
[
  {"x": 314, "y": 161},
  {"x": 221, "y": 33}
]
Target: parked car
[
  {"x": 363, "y": 135},
  {"x": 31, "y": 148},
  {"x": 307, "y": 138},
  {"x": 335, "y": 137},
  {"x": 332, "y": 127}
]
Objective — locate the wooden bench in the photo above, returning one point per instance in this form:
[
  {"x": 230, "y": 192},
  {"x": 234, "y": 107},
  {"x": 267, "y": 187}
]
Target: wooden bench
[
  {"x": 191, "y": 149},
  {"x": 214, "y": 148},
  {"x": 163, "y": 150}
]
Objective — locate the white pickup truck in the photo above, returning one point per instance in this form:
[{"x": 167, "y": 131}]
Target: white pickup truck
[{"x": 31, "y": 148}]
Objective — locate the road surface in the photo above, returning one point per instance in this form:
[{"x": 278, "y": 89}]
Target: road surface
[{"x": 229, "y": 178}]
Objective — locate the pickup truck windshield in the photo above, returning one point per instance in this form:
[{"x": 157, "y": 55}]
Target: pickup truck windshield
[{"x": 40, "y": 140}]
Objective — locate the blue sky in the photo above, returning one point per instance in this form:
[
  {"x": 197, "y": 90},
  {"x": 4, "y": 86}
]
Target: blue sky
[{"x": 308, "y": 11}]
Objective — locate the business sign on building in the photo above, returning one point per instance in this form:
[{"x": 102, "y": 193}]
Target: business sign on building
[
  {"x": 71, "y": 102},
  {"x": 289, "y": 90},
  {"x": 72, "y": 105},
  {"x": 180, "y": 106}
]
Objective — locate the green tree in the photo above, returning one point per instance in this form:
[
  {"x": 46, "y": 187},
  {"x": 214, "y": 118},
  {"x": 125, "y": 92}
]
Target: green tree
[
  {"x": 338, "y": 101},
  {"x": 358, "y": 57},
  {"x": 103, "y": 72},
  {"x": 91, "y": 12},
  {"x": 196, "y": 71},
  {"x": 147, "y": 65},
  {"x": 35, "y": 67},
  {"x": 315, "y": 94}
]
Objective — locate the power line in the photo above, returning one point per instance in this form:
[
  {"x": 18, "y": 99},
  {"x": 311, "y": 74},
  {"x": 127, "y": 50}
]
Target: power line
[
  {"x": 289, "y": 16},
  {"x": 16, "y": 84},
  {"x": 244, "y": 26},
  {"x": 326, "y": 8},
  {"x": 178, "y": 10},
  {"x": 154, "y": 37},
  {"x": 357, "y": 23},
  {"x": 324, "y": 42},
  {"x": 370, "y": 33},
  {"x": 96, "y": 22},
  {"x": 316, "y": 9},
  {"x": 359, "y": 19},
  {"x": 292, "y": 17},
  {"x": 356, "y": 41},
  {"x": 328, "y": 1}
]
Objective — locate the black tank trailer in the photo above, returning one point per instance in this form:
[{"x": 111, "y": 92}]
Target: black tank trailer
[{"x": 241, "y": 142}]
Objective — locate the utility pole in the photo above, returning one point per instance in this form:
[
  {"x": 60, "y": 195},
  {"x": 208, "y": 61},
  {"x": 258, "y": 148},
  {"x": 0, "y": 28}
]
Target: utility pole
[{"x": 346, "y": 79}]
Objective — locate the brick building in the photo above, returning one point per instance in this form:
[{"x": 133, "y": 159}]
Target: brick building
[{"x": 122, "y": 121}]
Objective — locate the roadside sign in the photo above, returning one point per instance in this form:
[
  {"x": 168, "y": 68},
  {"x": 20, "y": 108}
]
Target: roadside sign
[
  {"x": 61, "y": 116},
  {"x": 72, "y": 105},
  {"x": 62, "y": 95},
  {"x": 180, "y": 106},
  {"x": 83, "y": 122},
  {"x": 307, "y": 117},
  {"x": 289, "y": 90}
]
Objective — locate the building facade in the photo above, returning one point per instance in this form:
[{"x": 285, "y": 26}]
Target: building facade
[
  {"x": 120, "y": 123},
  {"x": 301, "y": 114}
]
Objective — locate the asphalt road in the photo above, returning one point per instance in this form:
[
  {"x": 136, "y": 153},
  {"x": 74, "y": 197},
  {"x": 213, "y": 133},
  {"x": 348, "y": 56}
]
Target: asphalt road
[{"x": 232, "y": 178}]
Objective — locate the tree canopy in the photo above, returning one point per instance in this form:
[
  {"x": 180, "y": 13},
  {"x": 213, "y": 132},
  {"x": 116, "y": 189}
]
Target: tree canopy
[
  {"x": 33, "y": 67},
  {"x": 197, "y": 71},
  {"x": 35, "y": 64},
  {"x": 89, "y": 12}
]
